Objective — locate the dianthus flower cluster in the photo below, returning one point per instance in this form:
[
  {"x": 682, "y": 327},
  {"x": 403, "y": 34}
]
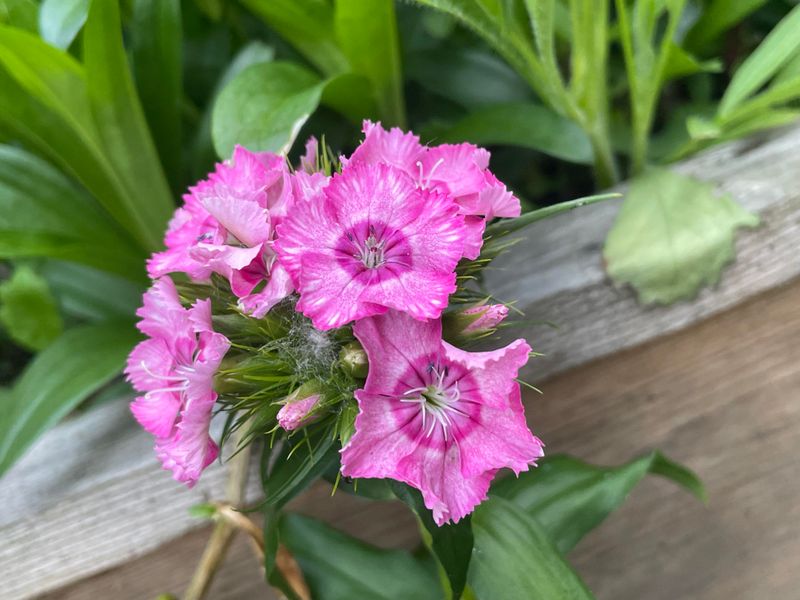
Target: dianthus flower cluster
[{"x": 314, "y": 299}]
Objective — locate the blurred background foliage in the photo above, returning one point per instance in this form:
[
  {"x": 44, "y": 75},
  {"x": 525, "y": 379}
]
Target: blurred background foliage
[{"x": 109, "y": 110}]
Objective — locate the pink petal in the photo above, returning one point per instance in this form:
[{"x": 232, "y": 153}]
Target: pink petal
[
  {"x": 279, "y": 286},
  {"x": 246, "y": 221},
  {"x": 393, "y": 147},
  {"x": 296, "y": 413},
  {"x": 162, "y": 313},
  {"x": 498, "y": 369},
  {"x": 473, "y": 237},
  {"x": 458, "y": 168}
]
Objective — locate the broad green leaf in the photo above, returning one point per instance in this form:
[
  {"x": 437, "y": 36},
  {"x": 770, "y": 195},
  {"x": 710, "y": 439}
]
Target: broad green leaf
[
  {"x": 28, "y": 311},
  {"x": 569, "y": 498},
  {"x": 450, "y": 544},
  {"x": 156, "y": 37},
  {"x": 716, "y": 19},
  {"x": 514, "y": 558},
  {"x": 74, "y": 366},
  {"x": 121, "y": 123},
  {"x": 777, "y": 49},
  {"x": 306, "y": 24},
  {"x": 339, "y": 567},
  {"x": 366, "y": 31},
  {"x": 527, "y": 125},
  {"x": 44, "y": 103},
  {"x": 351, "y": 95},
  {"x": 87, "y": 294},
  {"x": 43, "y": 214},
  {"x": 19, "y": 13},
  {"x": 264, "y": 107},
  {"x": 456, "y": 69},
  {"x": 60, "y": 21},
  {"x": 672, "y": 236}
]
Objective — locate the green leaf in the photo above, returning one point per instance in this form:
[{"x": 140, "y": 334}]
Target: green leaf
[
  {"x": 203, "y": 154},
  {"x": 526, "y": 125},
  {"x": 514, "y": 558},
  {"x": 43, "y": 214},
  {"x": 339, "y": 567},
  {"x": 88, "y": 294},
  {"x": 264, "y": 107},
  {"x": 366, "y": 31},
  {"x": 156, "y": 37},
  {"x": 506, "y": 226},
  {"x": 672, "y": 236},
  {"x": 777, "y": 49},
  {"x": 569, "y": 498},
  {"x": 450, "y": 544},
  {"x": 44, "y": 103},
  {"x": 717, "y": 18},
  {"x": 28, "y": 310},
  {"x": 60, "y": 21},
  {"x": 19, "y": 13},
  {"x": 681, "y": 64},
  {"x": 58, "y": 379},
  {"x": 121, "y": 123},
  {"x": 301, "y": 460},
  {"x": 307, "y": 25},
  {"x": 456, "y": 69}
]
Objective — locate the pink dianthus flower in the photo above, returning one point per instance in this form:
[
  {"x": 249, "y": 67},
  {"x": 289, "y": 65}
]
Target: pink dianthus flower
[
  {"x": 435, "y": 417},
  {"x": 369, "y": 241},
  {"x": 175, "y": 368}
]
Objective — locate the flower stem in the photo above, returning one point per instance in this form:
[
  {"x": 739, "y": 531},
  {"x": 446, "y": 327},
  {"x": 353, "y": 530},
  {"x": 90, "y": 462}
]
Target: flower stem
[{"x": 224, "y": 530}]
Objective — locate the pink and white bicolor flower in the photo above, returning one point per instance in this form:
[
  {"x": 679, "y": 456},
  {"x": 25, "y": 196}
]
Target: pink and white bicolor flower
[
  {"x": 435, "y": 417},
  {"x": 459, "y": 170},
  {"x": 226, "y": 226},
  {"x": 370, "y": 241},
  {"x": 175, "y": 368}
]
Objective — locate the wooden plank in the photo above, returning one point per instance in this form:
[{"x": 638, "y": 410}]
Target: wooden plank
[
  {"x": 556, "y": 273},
  {"x": 93, "y": 482},
  {"x": 722, "y": 397}
]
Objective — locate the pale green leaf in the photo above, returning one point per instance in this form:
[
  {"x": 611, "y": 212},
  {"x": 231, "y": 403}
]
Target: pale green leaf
[
  {"x": 777, "y": 49},
  {"x": 60, "y": 21},
  {"x": 28, "y": 311},
  {"x": 70, "y": 369},
  {"x": 569, "y": 498},
  {"x": 527, "y": 125},
  {"x": 339, "y": 567},
  {"x": 264, "y": 107},
  {"x": 366, "y": 31},
  {"x": 673, "y": 235},
  {"x": 513, "y": 558}
]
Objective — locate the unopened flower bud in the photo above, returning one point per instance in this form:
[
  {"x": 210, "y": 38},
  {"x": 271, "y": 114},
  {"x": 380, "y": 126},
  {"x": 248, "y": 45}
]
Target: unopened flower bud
[
  {"x": 354, "y": 360},
  {"x": 474, "y": 322},
  {"x": 299, "y": 406}
]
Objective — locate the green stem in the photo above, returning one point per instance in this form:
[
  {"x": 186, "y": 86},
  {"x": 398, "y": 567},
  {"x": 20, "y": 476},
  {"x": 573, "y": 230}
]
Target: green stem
[{"x": 605, "y": 167}]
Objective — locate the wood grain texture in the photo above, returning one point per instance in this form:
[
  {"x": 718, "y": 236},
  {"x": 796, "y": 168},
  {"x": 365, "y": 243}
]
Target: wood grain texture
[
  {"x": 723, "y": 397},
  {"x": 556, "y": 273},
  {"x": 89, "y": 495}
]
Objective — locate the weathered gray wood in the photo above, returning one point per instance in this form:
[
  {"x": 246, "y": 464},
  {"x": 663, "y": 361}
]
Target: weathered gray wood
[
  {"x": 558, "y": 274},
  {"x": 722, "y": 397},
  {"x": 90, "y": 496}
]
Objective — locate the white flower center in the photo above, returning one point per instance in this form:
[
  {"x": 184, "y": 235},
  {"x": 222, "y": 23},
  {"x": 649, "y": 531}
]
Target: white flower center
[
  {"x": 437, "y": 402},
  {"x": 371, "y": 251}
]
